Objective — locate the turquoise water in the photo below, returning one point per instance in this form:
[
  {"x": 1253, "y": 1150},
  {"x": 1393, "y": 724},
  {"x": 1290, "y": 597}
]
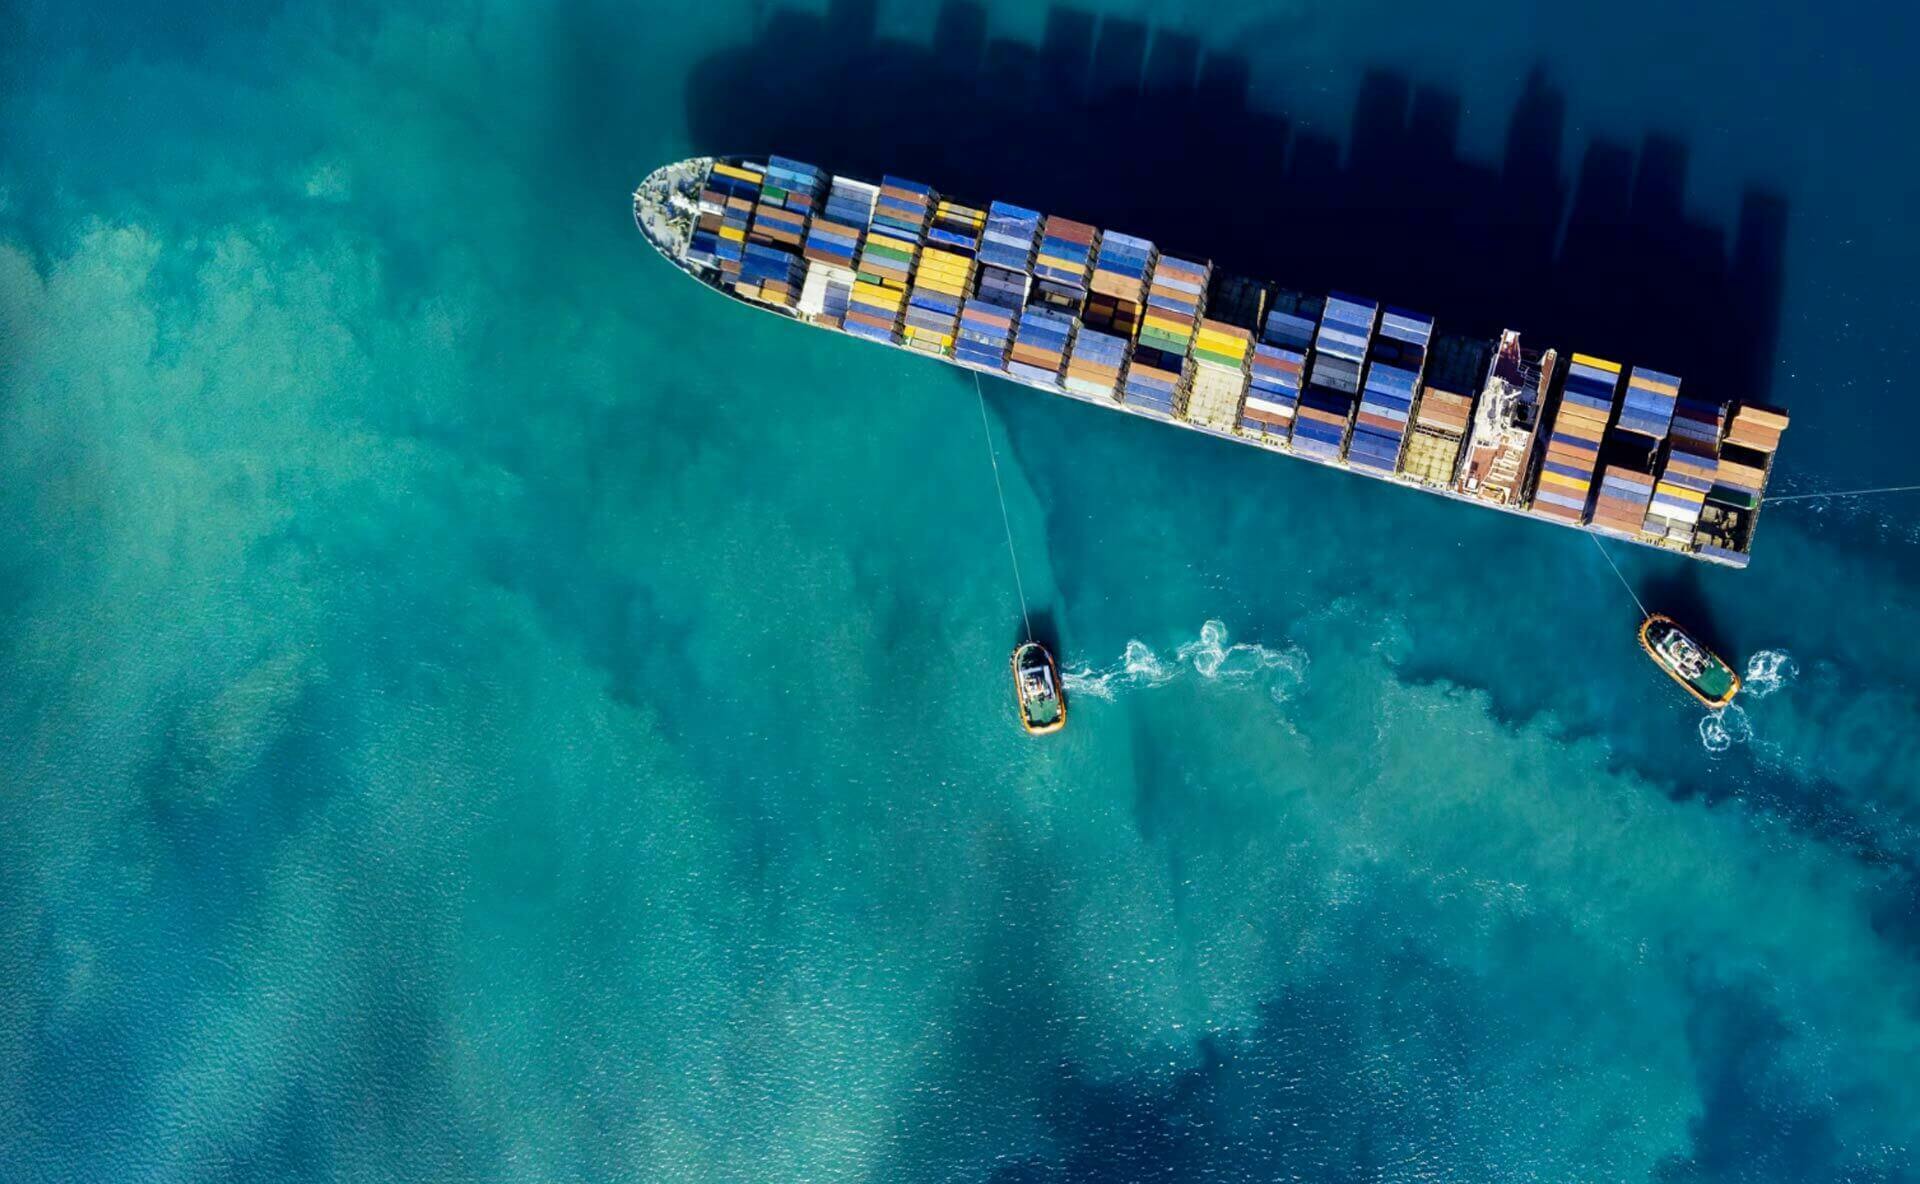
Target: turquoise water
[{"x": 478, "y": 708}]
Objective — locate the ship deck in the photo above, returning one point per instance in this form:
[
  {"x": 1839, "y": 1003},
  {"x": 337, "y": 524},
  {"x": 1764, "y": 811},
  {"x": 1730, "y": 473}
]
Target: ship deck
[{"x": 666, "y": 205}]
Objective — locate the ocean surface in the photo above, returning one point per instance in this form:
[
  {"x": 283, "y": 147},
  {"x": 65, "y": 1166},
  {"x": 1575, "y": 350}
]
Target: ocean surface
[{"x": 475, "y": 707}]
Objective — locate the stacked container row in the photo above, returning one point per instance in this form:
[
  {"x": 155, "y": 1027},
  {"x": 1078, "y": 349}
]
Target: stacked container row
[
  {"x": 1648, "y": 406},
  {"x": 1118, "y": 289},
  {"x": 1396, "y": 361},
  {"x": 771, "y": 275},
  {"x": 1279, "y": 368},
  {"x": 1273, "y": 394},
  {"x": 988, "y": 317},
  {"x": 886, "y": 264},
  {"x": 1012, "y": 234},
  {"x": 986, "y": 334},
  {"x": 1752, "y": 435},
  {"x": 789, "y": 192},
  {"x": 1095, "y": 365},
  {"x": 1757, "y": 428},
  {"x": 1646, "y": 415},
  {"x": 1331, "y": 397},
  {"x": 833, "y": 245},
  {"x": 1621, "y": 507},
  {"x": 1738, "y": 484},
  {"x": 1693, "y": 464},
  {"x": 1573, "y": 450},
  {"x": 772, "y": 270},
  {"x": 1439, "y": 429},
  {"x": 1064, "y": 262},
  {"x": 1040, "y": 345},
  {"x": 1176, "y": 297},
  {"x": 943, "y": 279},
  {"x": 726, "y": 206},
  {"x": 1220, "y": 356}
]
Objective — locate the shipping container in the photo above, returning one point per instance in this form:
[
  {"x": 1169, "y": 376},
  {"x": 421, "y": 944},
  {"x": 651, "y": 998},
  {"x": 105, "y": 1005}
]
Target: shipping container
[
  {"x": 1439, "y": 431},
  {"x": 1041, "y": 342},
  {"x": 1647, "y": 409},
  {"x": 835, "y": 234},
  {"x": 732, "y": 191},
  {"x": 1273, "y": 394},
  {"x": 985, "y": 335},
  {"x": 1587, "y": 398},
  {"x": 1396, "y": 363},
  {"x": 1065, "y": 256},
  {"x": 1117, "y": 290},
  {"x": 1691, "y": 467},
  {"x": 1159, "y": 372},
  {"x": 789, "y": 192},
  {"x": 892, "y": 247},
  {"x": 1012, "y": 234},
  {"x": 1621, "y": 507},
  {"x": 1290, "y": 329},
  {"x": 943, "y": 278},
  {"x": 1220, "y": 355},
  {"x": 1757, "y": 428},
  {"x": 875, "y": 310},
  {"x": 1332, "y": 395},
  {"x": 1096, "y": 365}
]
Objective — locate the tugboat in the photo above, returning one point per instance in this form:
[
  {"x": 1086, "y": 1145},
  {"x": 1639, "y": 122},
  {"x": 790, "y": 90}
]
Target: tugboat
[
  {"x": 1037, "y": 689},
  {"x": 1689, "y": 663}
]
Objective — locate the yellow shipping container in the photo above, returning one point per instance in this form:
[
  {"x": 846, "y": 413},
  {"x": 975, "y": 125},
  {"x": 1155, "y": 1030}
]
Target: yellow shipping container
[
  {"x": 739, "y": 174},
  {"x": 734, "y": 234},
  {"x": 1680, "y": 494},
  {"x": 876, "y": 296},
  {"x": 945, "y": 270},
  {"x": 1600, "y": 363},
  {"x": 1549, "y": 477}
]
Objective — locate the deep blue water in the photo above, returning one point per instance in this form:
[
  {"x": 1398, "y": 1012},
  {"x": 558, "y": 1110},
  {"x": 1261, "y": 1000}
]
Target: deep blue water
[{"x": 478, "y": 708}]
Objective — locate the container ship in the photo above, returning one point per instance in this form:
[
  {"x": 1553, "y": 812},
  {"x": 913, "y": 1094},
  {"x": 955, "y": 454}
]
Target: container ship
[{"x": 1114, "y": 320}]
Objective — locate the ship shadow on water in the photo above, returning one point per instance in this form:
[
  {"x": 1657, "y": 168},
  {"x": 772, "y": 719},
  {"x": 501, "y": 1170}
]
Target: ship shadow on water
[{"x": 1146, "y": 130}]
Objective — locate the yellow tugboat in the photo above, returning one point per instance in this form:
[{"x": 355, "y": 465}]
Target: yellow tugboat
[
  {"x": 1037, "y": 689},
  {"x": 1692, "y": 665}
]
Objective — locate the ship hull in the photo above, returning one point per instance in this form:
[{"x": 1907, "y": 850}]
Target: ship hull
[
  {"x": 1033, "y": 717},
  {"x": 673, "y": 252},
  {"x": 1717, "y": 685}
]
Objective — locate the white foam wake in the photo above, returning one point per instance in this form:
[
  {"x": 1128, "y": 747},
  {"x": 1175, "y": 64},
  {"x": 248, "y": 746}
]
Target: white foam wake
[
  {"x": 1724, "y": 728},
  {"x": 1769, "y": 671},
  {"x": 1279, "y": 671}
]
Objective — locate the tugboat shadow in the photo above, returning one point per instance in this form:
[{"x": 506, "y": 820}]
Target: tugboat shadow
[
  {"x": 1677, "y": 592},
  {"x": 1045, "y": 631}
]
